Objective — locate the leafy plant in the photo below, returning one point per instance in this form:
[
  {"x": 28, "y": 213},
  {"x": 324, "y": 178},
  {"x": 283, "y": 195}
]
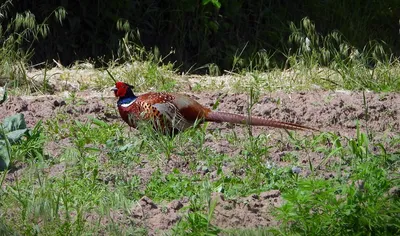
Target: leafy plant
[
  {"x": 356, "y": 68},
  {"x": 16, "y": 140},
  {"x": 197, "y": 221},
  {"x": 357, "y": 202},
  {"x": 11, "y": 131}
]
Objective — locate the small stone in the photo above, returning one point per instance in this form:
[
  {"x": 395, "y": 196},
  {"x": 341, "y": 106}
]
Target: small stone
[
  {"x": 59, "y": 104},
  {"x": 146, "y": 201},
  {"x": 2, "y": 92},
  {"x": 296, "y": 170},
  {"x": 255, "y": 196}
]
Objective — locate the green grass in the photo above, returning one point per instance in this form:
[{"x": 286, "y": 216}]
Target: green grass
[
  {"x": 99, "y": 177},
  {"x": 356, "y": 201},
  {"x": 18, "y": 33},
  {"x": 312, "y": 61}
]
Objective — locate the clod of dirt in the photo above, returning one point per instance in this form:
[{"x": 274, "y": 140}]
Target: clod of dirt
[
  {"x": 252, "y": 211},
  {"x": 59, "y": 103},
  {"x": 394, "y": 192},
  {"x": 248, "y": 212},
  {"x": 154, "y": 217},
  {"x": 175, "y": 205}
]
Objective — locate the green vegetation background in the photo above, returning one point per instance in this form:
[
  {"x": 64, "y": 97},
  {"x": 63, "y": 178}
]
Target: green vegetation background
[{"x": 199, "y": 32}]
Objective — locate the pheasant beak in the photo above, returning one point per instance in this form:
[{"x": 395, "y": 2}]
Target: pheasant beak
[{"x": 114, "y": 89}]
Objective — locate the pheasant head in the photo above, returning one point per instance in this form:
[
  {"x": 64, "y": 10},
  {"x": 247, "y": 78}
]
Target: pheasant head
[
  {"x": 124, "y": 92},
  {"x": 122, "y": 89}
]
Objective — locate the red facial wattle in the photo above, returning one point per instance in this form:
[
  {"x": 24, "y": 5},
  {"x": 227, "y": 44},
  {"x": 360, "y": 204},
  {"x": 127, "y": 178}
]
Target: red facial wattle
[{"x": 120, "y": 89}]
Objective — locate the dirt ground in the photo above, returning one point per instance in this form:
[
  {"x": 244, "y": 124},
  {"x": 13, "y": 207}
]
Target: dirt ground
[{"x": 328, "y": 111}]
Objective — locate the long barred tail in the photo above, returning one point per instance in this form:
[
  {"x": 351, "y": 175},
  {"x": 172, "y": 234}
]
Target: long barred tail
[{"x": 253, "y": 120}]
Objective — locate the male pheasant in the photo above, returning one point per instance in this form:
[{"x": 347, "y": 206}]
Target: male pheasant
[{"x": 173, "y": 111}]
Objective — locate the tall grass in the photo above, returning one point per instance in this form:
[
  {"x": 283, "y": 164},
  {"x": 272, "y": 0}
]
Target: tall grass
[
  {"x": 18, "y": 34},
  {"x": 230, "y": 35}
]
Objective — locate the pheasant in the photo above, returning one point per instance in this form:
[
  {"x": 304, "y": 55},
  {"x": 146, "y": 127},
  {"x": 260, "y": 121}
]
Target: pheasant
[{"x": 177, "y": 112}]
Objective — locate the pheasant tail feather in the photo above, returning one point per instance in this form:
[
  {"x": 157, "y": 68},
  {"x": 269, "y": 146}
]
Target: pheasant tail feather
[{"x": 253, "y": 120}]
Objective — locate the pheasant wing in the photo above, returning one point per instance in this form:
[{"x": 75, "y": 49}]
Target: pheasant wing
[{"x": 173, "y": 115}]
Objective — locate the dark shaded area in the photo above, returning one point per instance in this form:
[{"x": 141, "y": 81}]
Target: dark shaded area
[{"x": 202, "y": 34}]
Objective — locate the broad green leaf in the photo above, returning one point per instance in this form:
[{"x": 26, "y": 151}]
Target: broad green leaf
[
  {"x": 216, "y": 3},
  {"x": 14, "y": 122},
  {"x": 4, "y": 156},
  {"x": 212, "y": 25},
  {"x": 16, "y": 135}
]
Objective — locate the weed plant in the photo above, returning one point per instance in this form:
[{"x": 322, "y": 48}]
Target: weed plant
[{"x": 15, "y": 31}]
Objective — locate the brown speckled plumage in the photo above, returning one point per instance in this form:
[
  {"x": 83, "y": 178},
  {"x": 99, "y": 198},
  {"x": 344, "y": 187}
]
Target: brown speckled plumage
[{"x": 172, "y": 111}]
